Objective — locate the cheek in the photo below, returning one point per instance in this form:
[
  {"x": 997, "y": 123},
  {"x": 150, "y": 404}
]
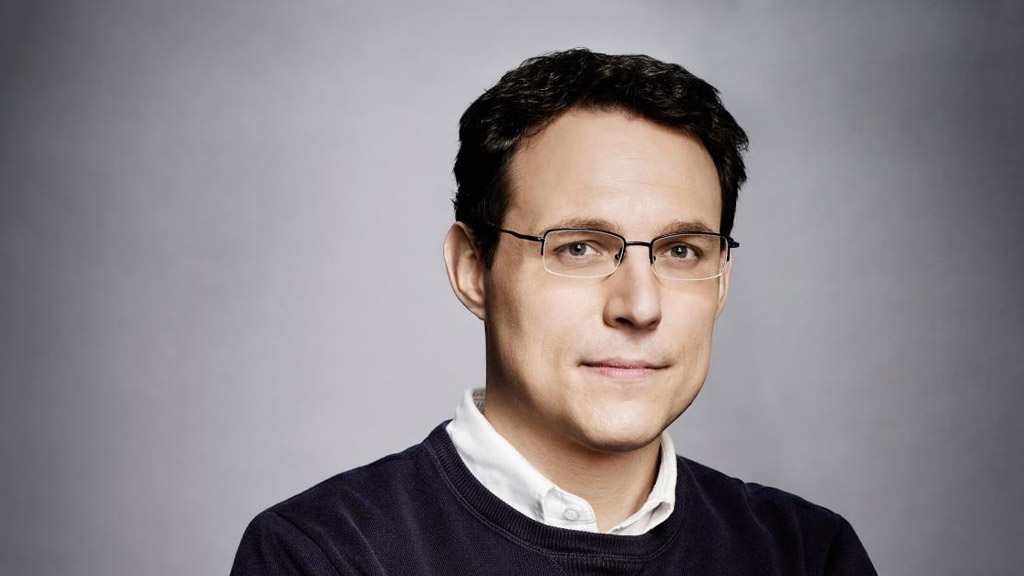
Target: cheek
[
  {"x": 541, "y": 327},
  {"x": 535, "y": 322},
  {"x": 563, "y": 317},
  {"x": 691, "y": 317},
  {"x": 508, "y": 324},
  {"x": 692, "y": 305},
  {"x": 692, "y": 327}
]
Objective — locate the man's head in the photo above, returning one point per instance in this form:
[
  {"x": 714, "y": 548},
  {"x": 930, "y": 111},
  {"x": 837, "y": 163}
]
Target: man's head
[{"x": 622, "y": 143}]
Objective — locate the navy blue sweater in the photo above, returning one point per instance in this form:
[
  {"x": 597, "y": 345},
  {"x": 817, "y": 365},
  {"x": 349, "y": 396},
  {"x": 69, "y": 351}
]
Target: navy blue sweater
[{"x": 422, "y": 512}]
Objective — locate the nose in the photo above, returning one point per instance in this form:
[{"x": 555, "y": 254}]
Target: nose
[{"x": 634, "y": 293}]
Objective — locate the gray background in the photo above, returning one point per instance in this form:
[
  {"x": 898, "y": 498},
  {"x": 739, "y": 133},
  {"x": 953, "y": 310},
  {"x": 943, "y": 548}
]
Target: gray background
[{"x": 196, "y": 320}]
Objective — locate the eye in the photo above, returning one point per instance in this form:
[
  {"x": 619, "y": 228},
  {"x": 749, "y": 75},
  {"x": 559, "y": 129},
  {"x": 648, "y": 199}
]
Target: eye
[
  {"x": 578, "y": 249},
  {"x": 682, "y": 252}
]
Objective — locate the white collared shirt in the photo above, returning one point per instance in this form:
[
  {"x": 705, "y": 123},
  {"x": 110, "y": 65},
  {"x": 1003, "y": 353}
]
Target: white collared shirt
[{"x": 509, "y": 476}]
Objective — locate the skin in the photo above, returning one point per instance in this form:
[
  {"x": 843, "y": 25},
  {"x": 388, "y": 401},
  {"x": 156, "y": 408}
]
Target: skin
[{"x": 594, "y": 431}]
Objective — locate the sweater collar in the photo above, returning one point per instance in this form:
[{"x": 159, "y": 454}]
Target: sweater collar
[
  {"x": 496, "y": 464},
  {"x": 625, "y": 552}
]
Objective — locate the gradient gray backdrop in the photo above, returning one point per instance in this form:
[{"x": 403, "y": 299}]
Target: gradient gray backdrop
[{"x": 197, "y": 321}]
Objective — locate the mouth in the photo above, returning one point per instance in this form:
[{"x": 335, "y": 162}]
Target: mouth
[{"x": 621, "y": 369}]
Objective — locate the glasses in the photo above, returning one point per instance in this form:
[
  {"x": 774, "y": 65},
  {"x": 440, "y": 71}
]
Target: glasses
[{"x": 588, "y": 253}]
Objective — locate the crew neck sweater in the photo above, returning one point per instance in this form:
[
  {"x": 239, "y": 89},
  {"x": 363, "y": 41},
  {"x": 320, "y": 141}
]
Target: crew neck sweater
[{"x": 422, "y": 512}]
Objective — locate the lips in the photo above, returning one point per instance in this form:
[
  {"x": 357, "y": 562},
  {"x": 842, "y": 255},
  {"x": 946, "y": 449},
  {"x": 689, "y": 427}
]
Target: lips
[{"x": 622, "y": 369}]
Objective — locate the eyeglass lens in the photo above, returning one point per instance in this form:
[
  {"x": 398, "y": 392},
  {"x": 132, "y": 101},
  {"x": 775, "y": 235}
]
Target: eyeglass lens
[{"x": 592, "y": 254}]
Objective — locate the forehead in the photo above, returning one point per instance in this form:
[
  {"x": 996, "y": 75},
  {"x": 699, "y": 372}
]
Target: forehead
[{"x": 609, "y": 166}]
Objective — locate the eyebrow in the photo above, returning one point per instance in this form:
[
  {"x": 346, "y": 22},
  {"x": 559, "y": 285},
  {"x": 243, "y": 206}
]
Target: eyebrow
[{"x": 601, "y": 224}]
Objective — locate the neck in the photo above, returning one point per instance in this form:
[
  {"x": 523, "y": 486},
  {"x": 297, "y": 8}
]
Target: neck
[{"x": 616, "y": 484}]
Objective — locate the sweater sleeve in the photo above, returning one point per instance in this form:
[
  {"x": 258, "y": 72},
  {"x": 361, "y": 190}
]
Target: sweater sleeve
[
  {"x": 273, "y": 546},
  {"x": 846, "y": 555}
]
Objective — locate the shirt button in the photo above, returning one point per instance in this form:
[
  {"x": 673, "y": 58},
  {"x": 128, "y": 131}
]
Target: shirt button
[{"x": 571, "y": 514}]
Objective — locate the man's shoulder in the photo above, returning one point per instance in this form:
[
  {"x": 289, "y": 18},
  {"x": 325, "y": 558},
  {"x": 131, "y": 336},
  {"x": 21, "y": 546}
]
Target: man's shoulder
[
  {"x": 356, "y": 491},
  {"x": 326, "y": 529},
  {"x": 794, "y": 534},
  {"x": 729, "y": 497}
]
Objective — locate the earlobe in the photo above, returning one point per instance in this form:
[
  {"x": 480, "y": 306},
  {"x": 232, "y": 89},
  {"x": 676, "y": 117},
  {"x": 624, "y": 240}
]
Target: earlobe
[{"x": 465, "y": 268}]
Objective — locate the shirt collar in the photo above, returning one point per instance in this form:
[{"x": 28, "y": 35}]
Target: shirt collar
[{"x": 509, "y": 476}]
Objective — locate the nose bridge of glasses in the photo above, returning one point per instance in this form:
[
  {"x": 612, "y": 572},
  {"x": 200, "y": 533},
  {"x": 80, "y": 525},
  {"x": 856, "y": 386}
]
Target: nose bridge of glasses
[{"x": 628, "y": 243}]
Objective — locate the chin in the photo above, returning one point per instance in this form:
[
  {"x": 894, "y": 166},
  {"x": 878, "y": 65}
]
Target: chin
[{"x": 620, "y": 430}]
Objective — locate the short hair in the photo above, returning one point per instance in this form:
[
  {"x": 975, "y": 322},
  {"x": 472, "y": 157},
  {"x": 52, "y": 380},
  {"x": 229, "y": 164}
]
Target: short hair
[{"x": 531, "y": 96}]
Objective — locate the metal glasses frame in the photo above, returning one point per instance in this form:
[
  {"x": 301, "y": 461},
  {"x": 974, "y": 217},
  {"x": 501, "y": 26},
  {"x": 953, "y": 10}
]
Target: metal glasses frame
[{"x": 729, "y": 245}]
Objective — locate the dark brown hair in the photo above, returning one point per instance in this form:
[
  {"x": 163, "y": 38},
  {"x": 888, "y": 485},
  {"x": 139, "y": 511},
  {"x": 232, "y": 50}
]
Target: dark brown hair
[{"x": 533, "y": 95}]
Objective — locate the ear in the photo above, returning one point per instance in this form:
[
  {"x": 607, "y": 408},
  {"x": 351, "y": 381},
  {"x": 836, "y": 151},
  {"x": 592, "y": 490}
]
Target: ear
[
  {"x": 465, "y": 268},
  {"x": 723, "y": 286}
]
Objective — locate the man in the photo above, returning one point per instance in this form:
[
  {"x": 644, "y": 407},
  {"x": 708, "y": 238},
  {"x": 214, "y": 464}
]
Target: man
[{"x": 595, "y": 200}]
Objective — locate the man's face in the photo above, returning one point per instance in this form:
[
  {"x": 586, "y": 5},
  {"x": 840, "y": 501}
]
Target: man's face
[{"x": 554, "y": 343}]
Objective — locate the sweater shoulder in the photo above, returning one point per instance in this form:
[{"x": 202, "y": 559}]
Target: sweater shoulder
[
  {"x": 335, "y": 523},
  {"x": 727, "y": 496},
  {"x": 780, "y": 528},
  {"x": 356, "y": 490}
]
